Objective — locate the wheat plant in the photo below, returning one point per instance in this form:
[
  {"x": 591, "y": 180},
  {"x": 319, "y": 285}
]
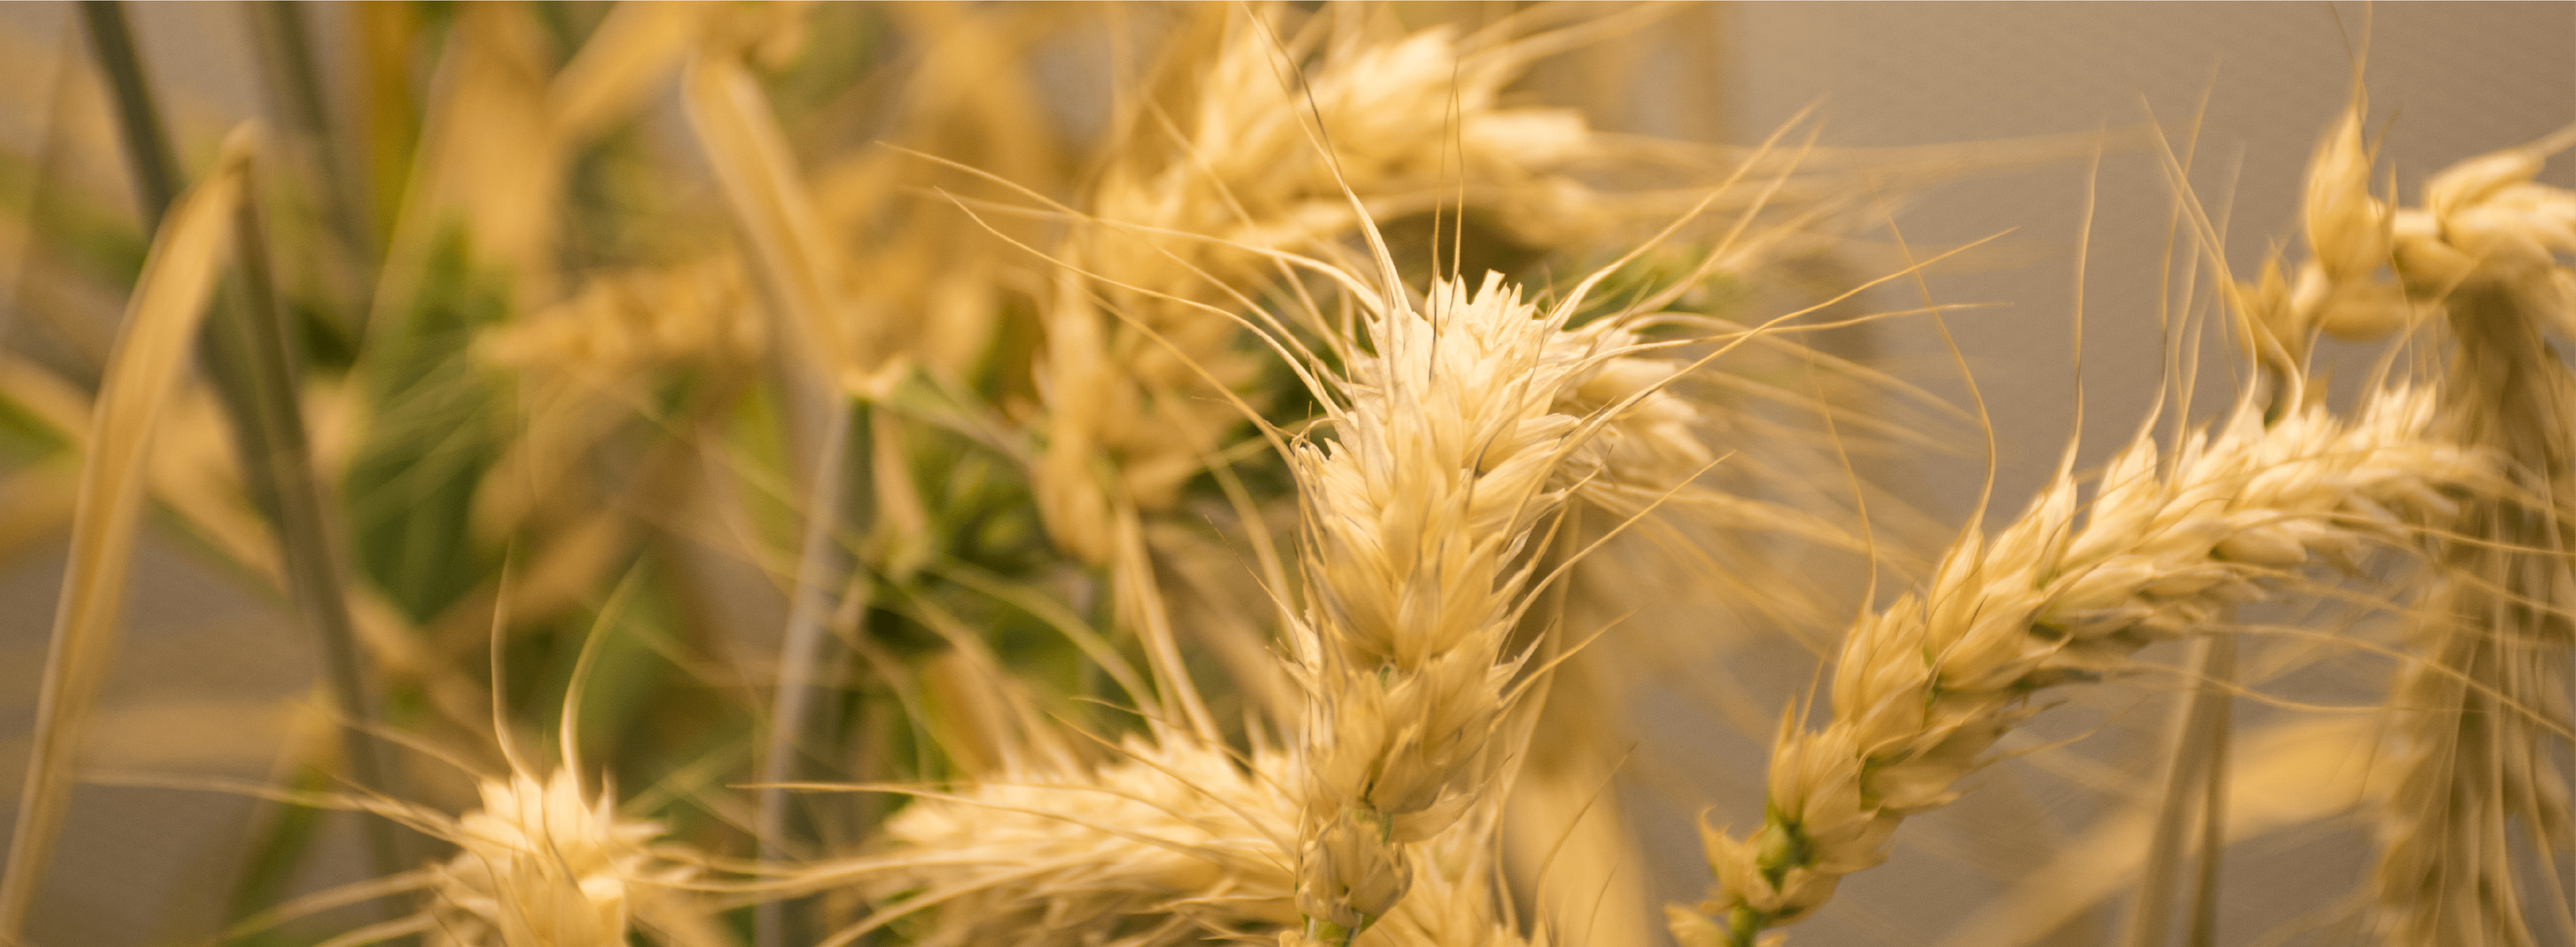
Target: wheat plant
[{"x": 801, "y": 475}]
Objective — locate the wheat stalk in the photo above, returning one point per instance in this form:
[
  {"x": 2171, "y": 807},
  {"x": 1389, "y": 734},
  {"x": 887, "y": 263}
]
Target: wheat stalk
[
  {"x": 249, "y": 354},
  {"x": 1923, "y": 689}
]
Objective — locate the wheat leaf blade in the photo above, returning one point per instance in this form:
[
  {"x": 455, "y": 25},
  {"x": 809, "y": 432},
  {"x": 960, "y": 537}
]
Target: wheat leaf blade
[{"x": 150, "y": 358}]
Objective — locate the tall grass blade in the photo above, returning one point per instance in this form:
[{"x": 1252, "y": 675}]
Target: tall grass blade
[
  {"x": 249, "y": 352},
  {"x": 161, "y": 321}
]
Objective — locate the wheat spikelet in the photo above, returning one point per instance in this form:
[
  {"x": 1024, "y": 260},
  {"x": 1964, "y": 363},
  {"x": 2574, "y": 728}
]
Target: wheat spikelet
[
  {"x": 1923, "y": 689},
  {"x": 1649, "y": 444},
  {"x": 1172, "y": 843},
  {"x": 2484, "y": 222},
  {"x": 1450, "y": 900},
  {"x": 543, "y": 865}
]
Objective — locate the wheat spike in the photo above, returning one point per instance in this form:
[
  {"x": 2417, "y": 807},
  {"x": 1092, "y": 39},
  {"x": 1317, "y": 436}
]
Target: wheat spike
[
  {"x": 1210, "y": 183},
  {"x": 2488, "y": 690},
  {"x": 544, "y": 865},
  {"x": 2479, "y": 255},
  {"x": 1923, "y": 689},
  {"x": 1448, "y": 458}
]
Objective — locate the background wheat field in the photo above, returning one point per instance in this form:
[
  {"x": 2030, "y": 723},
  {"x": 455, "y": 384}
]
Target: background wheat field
[{"x": 512, "y": 474}]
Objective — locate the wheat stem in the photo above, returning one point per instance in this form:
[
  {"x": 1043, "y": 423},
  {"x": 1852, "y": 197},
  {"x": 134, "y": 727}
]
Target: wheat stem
[
  {"x": 2186, "y": 780},
  {"x": 2219, "y": 688},
  {"x": 2218, "y": 685},
  {"x": 804, "y": 690},
  {"x": 310, "y": 552},
  {"x": 295, "y": 86}
]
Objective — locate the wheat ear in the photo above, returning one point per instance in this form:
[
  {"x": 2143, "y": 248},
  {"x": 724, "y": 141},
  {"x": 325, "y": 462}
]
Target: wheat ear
[
  {"x": 543, "y": 863},
  {"x": 1923, "y": 689},
  {"x": 1419, "y": 513},
  {"x": 1211, "y": 181},
  {"x": 2490, "y": 685}
]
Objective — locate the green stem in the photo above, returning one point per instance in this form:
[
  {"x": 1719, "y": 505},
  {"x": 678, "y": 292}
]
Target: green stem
[
  {"x": 1743, "y": 923},
  {"x": 138, "y": 116},
  {"x": 295, "y": 85}
]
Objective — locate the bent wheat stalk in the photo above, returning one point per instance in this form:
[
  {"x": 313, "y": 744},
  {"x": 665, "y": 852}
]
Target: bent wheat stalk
[
  {"x": 1923, "y": 689},
  {"x": 2490, "y": 686},
  {"x": 2493, "y": 630}
]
